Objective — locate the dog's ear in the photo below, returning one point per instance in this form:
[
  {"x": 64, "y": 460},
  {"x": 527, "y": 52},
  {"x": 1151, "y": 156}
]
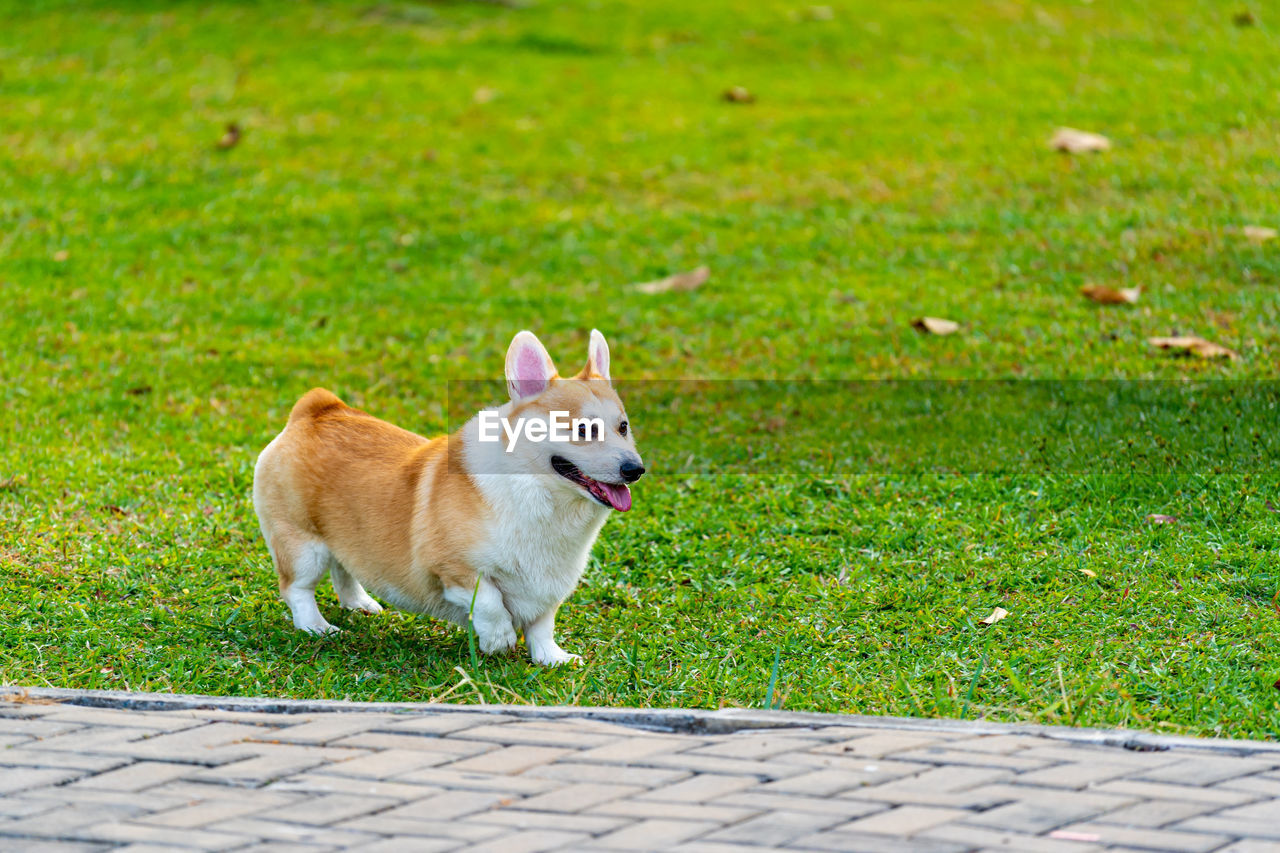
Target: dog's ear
[
  {"x": 529, "y": 367},
  {"x": 597, "y": 358}
]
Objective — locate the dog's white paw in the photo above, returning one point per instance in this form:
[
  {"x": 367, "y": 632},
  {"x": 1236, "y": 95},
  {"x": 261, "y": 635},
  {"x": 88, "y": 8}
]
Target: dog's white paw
[
  {"x": 554, "y": 656},
  {"x": 319, "y": 628},
  {"x": 364, "y": 604},
  {"x": 496, "y": 638}
]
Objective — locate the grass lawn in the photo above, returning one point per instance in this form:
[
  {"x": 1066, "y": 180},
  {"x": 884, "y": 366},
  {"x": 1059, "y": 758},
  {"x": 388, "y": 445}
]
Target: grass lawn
[{"x": 414, "y": 183}]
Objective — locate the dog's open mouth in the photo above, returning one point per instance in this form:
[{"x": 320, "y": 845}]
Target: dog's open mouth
[{"x": 613, "y": 495}]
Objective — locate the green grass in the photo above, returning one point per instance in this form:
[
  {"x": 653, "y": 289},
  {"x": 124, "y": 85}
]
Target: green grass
[{"x": 415, "y": 183}]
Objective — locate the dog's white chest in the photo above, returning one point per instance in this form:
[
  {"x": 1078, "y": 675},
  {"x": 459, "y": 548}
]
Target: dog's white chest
[{"x": 539, "y": 547}]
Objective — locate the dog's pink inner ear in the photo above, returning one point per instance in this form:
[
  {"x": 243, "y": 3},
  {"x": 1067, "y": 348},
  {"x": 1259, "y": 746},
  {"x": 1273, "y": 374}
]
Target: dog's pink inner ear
[
  {"x": 598, "y": 356},
  {"x": 531, "y": 372}
]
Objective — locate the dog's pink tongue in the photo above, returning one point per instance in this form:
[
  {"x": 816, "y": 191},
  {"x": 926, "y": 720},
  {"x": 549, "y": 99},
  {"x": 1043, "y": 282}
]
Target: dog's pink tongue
[{"x": 619, "y": 496}]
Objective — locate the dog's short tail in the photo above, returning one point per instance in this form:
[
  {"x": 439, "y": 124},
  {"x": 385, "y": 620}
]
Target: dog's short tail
[{"x": 315, "y": 402}]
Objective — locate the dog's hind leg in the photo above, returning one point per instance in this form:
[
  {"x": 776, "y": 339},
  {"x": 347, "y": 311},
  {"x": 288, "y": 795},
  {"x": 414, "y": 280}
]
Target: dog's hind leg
[
  {"x": 301, "y": 564},
  {"x": 351, "y": 594}
]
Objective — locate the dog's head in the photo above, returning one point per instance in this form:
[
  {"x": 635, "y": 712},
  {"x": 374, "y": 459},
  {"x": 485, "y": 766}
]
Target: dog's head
[{"x": 574, "y": 428}]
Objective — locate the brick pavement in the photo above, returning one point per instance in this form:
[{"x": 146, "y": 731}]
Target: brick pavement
[{"x": 99, "y": 771}]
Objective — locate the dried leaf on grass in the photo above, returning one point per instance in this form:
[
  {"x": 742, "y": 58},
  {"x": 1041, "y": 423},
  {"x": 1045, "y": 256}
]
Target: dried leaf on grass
[
  {"x": 1111, "y": 296},
  {"x": 1259, "y": 233},
  {"x": 1192, "y": 345},
  {"x": 738, "y": 95},
  {"x": 1089, "y": 573},
  {"x": 61, "y": 256},
  {"x": 996, "y": 615},
  {"x": 681, "y": 281},
  {"x": 1074, "y": 141},
  {"x": 936, "y": 325},
  {"x": 24, "y": 697},
  {"x": 1157, "y": 518},
  {"x": 231, "y": 137}
]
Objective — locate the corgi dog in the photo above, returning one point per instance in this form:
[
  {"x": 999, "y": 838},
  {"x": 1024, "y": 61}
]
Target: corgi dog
[{"x": 488, "y": 524}]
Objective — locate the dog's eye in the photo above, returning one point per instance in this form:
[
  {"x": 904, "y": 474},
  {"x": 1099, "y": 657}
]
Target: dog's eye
[{"x": 622, "y": 428}]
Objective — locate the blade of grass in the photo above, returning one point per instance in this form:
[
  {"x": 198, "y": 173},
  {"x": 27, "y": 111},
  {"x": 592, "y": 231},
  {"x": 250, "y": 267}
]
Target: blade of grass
[{"x": 773, "y": 679}]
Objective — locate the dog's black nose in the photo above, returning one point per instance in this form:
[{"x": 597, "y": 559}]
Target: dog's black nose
[{"x": 630, "y": 471}]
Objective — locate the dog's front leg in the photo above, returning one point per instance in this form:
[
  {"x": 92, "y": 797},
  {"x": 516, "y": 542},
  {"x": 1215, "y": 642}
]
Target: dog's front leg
[
  {"x": 489, "y": 615},
  {"x": 540, "y": 635}
]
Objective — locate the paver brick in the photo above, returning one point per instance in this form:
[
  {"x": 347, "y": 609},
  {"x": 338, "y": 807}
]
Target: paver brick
[
  {"x": 653, "y": 834},
  {"x": 903, "y": 820},
  {"x": 528, "y": 841},
  {"x": 513, "y": 734},
  {"x": 411, "y": 845},
  {"x": 80, "y": 715},
  {"x": 31, "y": 755},
  {"x": 1172, "y": 841},
  {"x": 1252, "y": 845},
  {"x": 15, "y": 807},
  {"x": 331, "y": 808},
  {"x": 1261, "y": 785},
  {"x": 996, "y": 839},
  {"x": 124, "y": 802},
  {"x": 1156, "y": 813},
  {"x": 452, "y": 747},
  {"x": 1164, "y": 791},
  {"x": 446, "y": 777},
  {"x": 261, "y": 826},
  {"x": 1035, "y": 810},
  {"x": 306, "y": 783},
  {"x": 1205, "y": 770},
  {"x": 16, "y": 779},
  {"x": 460, "y": 830},
  {"x": 880, "y": 744},
  {"x": 516, "y": 818},
  {"x": 765, "y": 770},
  {"x": 212, "y": 744},
  {"x": 864, "y": 843},
  {"x": 1003, "y": 744},
  {"x": 635, "y": 808},
  {"x": 946, "y": 755},
  {"x": 776, "y": 829},
  {"x": 623, "y": 751},
  {"x": 330, "y": 728},
  {"x": 704, "y": 786},
  {"x": 125, "y": 832},
  {"x": 576, "y": 798},
  {"x": 206, "y": 813},
  {"x": 386, "y": 764},
  {"x": 510, "y": 759},
  {"x": 758, "y": 801},
  {"x": 757, "y": 746},
  {"x": 1075, "y": 775},
  {"x": 135, "y": 777},
  {"x": 446, "y": 806},
  {"x": 569, "y": 771},
  {"x": 439, "y": 724},
  {"x": 819, "y": 783},
  {"x": 271, "y": 763},
  {"x": 62, "y": 822}
]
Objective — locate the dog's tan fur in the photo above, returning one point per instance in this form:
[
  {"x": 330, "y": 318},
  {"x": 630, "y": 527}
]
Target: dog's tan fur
[
  {"x": 403, "y": 501},
  {"x": 343, "y": 493}
]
